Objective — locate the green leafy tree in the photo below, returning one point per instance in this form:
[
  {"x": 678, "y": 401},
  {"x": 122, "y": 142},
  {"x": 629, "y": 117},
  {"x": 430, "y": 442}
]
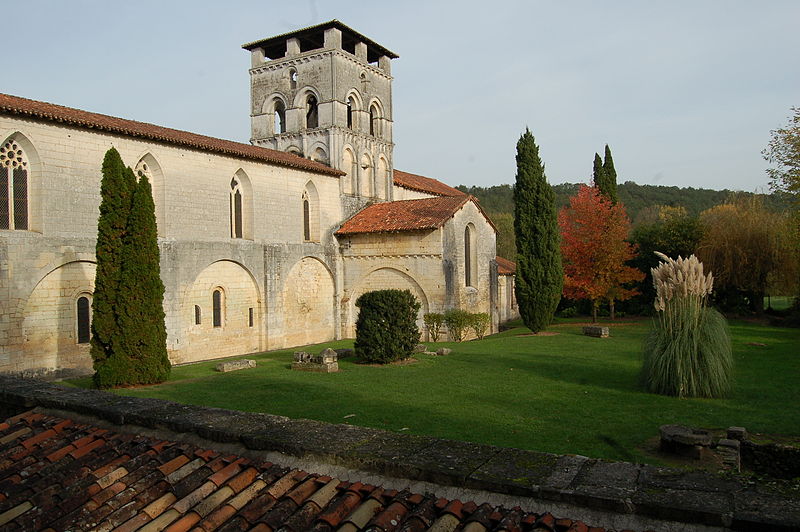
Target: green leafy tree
[
  {"x": 747, "y": 247},
  {"x": 116, "y": 191},
  {"x": 540, "y": 277},
  {"x": 783, "y": 151},
  {"x": 673, "y": 232}
]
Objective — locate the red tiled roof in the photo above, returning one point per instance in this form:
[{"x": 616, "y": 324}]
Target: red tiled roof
[
  {"x": 424, "y": 184},
  {"x": 84, "y": 119},
  {"x": 59, "y": 474},
  {"x": 406, "y": 215},
  {"x": 505, "y": 266}
]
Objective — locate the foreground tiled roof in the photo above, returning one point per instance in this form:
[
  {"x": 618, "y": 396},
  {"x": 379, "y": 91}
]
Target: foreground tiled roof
[
  {"x": 84, "y": 119},
  {"x": 505, "y": 266},
  {"x": 58, "y": 474},
  {"x": 424, "y": 184},
  {"x": 406, "y": 215}
]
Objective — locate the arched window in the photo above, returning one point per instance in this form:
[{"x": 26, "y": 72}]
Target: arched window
[
  {"x": 312, "y": 113},
  {"x": 293, "y": 78},
  {"x": 470, "y": 256},
  {"x": 350, "y": 113},
  {"x": 373, "y": 119},
  {"x": 84, "y": 319},
  {"x": 280, "y": 117},
  {"x": 236, "y": 209},
  {"x": 13, "y": 186},
  {"x": 310, "y": 205},
  {"x": 198, "y": 315},
  {"x": 306, "y": 218},
  {"x": 217, "y": 305}
]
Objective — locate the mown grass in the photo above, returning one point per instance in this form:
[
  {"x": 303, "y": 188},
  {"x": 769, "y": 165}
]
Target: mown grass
[{"x": 566, "y": 393}]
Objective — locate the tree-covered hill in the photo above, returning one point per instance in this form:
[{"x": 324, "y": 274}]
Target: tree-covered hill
[
  {"x": 498, "y": 201},
  {"x": 499, "y": 198}
]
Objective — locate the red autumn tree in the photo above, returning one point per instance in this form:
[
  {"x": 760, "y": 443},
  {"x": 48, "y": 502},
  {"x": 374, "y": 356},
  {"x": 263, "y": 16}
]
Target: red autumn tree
[{"x": 594, "y": 250}]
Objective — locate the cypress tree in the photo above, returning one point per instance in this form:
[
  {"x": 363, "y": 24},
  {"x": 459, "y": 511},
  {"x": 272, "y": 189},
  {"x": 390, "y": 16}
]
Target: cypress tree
[
  {"x": 609, "y": 189},
  {"x": 116, "y": 191},
  {"x": 128, "y": 332},
  {"x": 540, "y": 277},
  {"x": 143, "y": 336},
  {"x": 598, "y": 177}
]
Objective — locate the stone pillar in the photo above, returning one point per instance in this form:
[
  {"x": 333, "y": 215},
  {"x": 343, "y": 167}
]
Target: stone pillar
[
  {"x": 256, "y": 57},
  {"x": 385, "y": 64},
  {"x": 361, "y": 51},
  {"x": 292, "y": 47},
  {"x": 333, "y": 38}
]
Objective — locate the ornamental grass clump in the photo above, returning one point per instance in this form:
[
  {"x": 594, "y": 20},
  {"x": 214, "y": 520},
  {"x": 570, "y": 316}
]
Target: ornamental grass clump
[{"x": 688, "y": 351}]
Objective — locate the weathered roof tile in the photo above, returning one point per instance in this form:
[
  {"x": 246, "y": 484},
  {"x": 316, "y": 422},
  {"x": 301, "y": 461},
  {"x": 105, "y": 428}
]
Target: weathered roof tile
[
  {"x": 84, "y": 119},
  {"x": 126, "y": 485},
  {"x": 424, "y": 184}
]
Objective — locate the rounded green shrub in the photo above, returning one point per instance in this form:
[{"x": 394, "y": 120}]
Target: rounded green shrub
[
  {"x": 433, "y": 321},
  {"x": 386, "y": 329},
  {"x": 457, "y": 322}
]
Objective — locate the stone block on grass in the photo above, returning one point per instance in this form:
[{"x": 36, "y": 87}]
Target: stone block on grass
[
  {"x": 596, "y": 331},
  {"x": 235, "y": 365}
]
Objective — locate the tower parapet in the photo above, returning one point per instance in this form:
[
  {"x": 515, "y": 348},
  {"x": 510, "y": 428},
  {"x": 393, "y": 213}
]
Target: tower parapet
[{"x": 325, "y": 93}]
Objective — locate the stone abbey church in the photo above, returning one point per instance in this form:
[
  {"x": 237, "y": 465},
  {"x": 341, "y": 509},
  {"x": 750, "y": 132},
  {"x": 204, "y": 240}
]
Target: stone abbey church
[{"x": 263, "y": 245}]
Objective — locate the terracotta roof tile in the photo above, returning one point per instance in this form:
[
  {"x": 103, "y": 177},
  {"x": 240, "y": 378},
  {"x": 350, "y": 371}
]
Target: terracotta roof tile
[
  {"x": 406, "y": 215},
  {"x": 125, "y": 485},
  {"x": 84, "y": 119},
  {"x": 505, "y": 266},
  {"x": 424, "y": 184}
]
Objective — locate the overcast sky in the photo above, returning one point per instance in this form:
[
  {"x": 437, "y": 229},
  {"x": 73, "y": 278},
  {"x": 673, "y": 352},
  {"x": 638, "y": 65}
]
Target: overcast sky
[{"x": 684, "y": 92}]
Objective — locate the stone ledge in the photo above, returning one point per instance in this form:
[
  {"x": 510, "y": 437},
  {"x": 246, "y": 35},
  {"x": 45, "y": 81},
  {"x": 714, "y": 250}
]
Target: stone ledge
[{"x": 616, "y": 487}]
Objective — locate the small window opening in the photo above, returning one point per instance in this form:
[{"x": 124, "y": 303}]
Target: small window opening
[
  {"x": 280, "y": 117},
  {"x": 198, "y": 315},
  {"x": 216, "y": 305},
  {"x": 467, "y": 261},
  {"x": 306, "y": 220},
  {"x": 250, "y": 317},
  {"x": 236, "y": 209},
  {"x": 350, "y": 114},
  {"x": 293, "y": 79},
  {"x": 84, "y": 320},
  {"x": 312, "y": 113},
  {"x": 372, "y": 120}
]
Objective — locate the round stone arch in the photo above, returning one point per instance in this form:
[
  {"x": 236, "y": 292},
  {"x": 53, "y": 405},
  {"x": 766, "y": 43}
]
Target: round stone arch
[
  {"x": 349, "y": 167},
  {"x": 319, "y": 152},
  {"x": 385, "y": 278},
  {"x": 241, "y": 181},
  {"x": 35, "y": 171},
  {"x": 275, "y": 104},
  {"x": 49, "y": 318},
  {"x": 241, "y": 329},
  {"x": 308, "y": 303},
  {"x": 149, "y": 166}
]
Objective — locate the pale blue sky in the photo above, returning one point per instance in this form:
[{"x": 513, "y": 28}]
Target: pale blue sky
[{"x": 685, "y": 92}]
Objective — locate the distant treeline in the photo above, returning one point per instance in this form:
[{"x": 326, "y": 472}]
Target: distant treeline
[
  {"x": 640, "y": 202},
  {"x": 500, "y": 198}
]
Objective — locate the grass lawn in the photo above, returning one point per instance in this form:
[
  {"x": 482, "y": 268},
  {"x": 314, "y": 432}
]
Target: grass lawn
[{"x": 566, "y": 393}]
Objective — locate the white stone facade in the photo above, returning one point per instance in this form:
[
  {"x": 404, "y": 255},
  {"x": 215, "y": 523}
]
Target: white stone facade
[{"x": 268, "y": 275}]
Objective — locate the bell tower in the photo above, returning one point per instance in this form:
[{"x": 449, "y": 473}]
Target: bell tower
[{"x": 325, "y": 93}]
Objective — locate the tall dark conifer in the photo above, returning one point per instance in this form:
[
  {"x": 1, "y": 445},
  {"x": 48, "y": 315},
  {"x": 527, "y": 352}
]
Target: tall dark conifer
[
  {"x": 540, "y": 277},
  {"x": 141, "y": 310},
  {"x": 128, "y": 332},
  {"x": 609, "y": 189},
  {"x": 598, "y": 177},
  {"x": 116, "y": 192}
]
